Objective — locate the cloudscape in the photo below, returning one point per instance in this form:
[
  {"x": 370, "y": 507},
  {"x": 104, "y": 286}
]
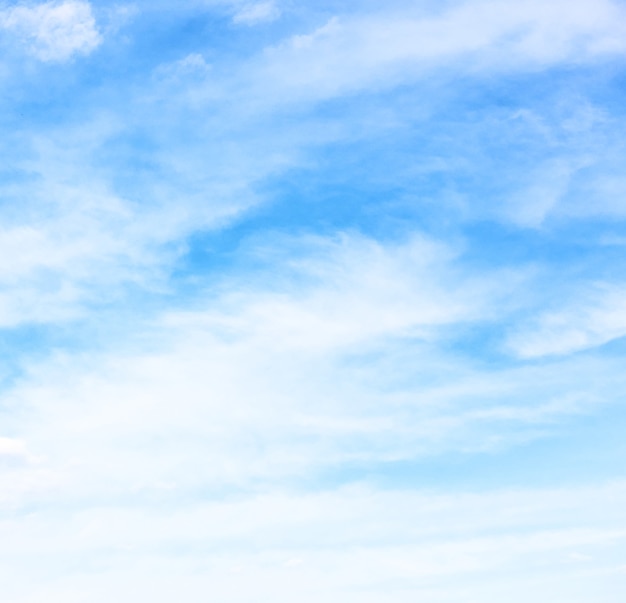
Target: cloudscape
[{"x": 313, "y": 301}]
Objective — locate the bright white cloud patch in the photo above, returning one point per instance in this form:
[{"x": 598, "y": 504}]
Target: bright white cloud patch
[{"x": 53, "y": 31}]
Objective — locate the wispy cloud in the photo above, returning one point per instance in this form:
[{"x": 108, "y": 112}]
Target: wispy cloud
[
  {"x": 257, "y": 12},
  {"x": 594, "y": 318},
  {"x": 347, "y": 54}
]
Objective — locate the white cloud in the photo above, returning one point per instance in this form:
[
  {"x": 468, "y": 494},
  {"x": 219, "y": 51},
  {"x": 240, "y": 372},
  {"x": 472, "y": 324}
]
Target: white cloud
[
  {"x": 352, "y": 289},
  {"x": 330, "y": 359},
  {"x": 74, "y": 239},
  {"x": 53, "y": 31},
  {"x": 258, "y": 12},
  {"x": 350, "y": 544},
  {"x": 593, "y": 319},
  {"x": 354, "y": 53}
]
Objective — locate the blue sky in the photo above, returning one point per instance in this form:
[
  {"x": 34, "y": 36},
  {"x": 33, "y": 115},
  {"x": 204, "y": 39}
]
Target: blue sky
[{"x": 313, "y": 301}]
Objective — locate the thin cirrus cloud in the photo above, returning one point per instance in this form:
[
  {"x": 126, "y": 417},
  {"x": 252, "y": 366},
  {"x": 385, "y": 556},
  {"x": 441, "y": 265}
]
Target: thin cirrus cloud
[
  {"x": 310, "y": 301},
  {"x": 596, "y": 318},
  {"x": 345, "y": 55},
  {"x": 254, "y": 13}
]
